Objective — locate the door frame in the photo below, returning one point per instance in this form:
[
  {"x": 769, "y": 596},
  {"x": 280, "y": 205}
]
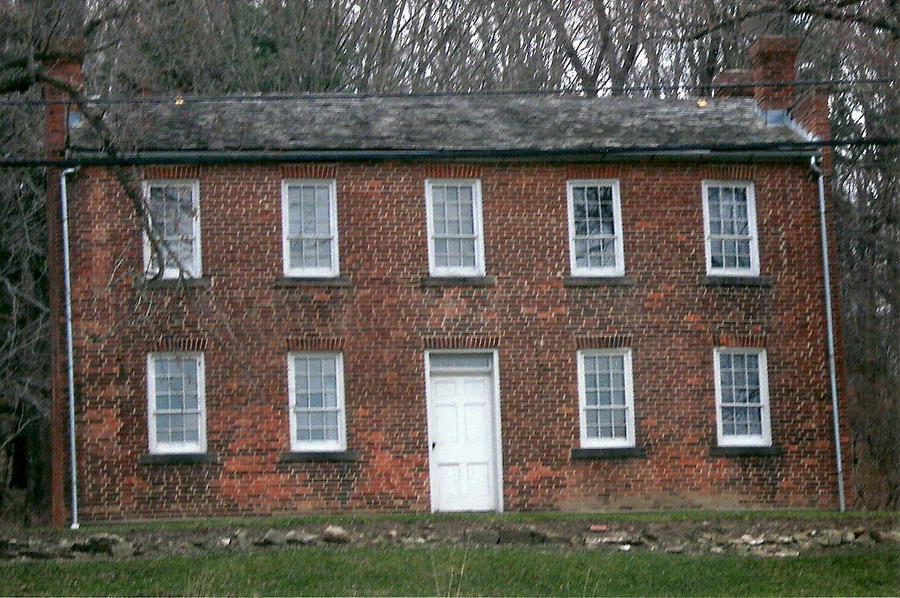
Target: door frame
[{"x": 495, "y": 399}]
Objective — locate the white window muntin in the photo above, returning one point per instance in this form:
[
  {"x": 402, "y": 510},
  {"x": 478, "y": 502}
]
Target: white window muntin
[
  {"x": 455, "y": 236},
  {"x": 310, "y": 237},
  {"x": 598, "y": 238},
  {"x": 742, "y": 397},
  {"x": 180, "y": 232},
  {"x": 176, "y": 403},
  {"x": 606, "y": 398},
  {"x": 316, "y": 401},
  {"x": 731, "y": 239}
]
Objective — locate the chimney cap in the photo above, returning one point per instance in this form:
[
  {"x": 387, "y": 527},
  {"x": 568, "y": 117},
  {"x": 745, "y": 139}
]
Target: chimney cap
[{"x": 774, "y": 44}]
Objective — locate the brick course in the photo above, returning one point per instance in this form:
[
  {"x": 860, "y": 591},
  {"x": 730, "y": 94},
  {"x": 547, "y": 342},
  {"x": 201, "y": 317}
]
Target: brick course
[{"x": 386, "y": 318}]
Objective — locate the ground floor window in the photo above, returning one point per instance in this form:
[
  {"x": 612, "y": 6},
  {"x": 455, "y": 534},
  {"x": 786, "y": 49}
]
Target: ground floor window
[
  {"x": 742, "y": 397},
  {"x": 176, "y": 403}
]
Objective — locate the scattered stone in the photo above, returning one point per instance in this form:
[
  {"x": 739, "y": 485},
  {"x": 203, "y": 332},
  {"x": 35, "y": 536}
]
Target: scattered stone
[
  {"x": 848, "y": 537},
  {"x": 122, "y": 550},
  {"x": 675, "y": 549},
  {"x": 787, "y": 553},
  {"x": 414, "y": 540},
  {"x": 615, "y": 538},
  {"x": 300, "y": 537},
  {"x": 624, "y": 547},
  {"x": 717, "y": 549},
  {"x": 393, "y": 534},
  {"x": 598, "y": 528},
  {"x": 829, "y": 537},
  {"x": 242, "y": 539},
  {"x": 482, "y": 536},
  {"x": 273, "y": 537},
  {"x": 336, "y": 534},
  {"x": 782, "y": 539},
  {"x": 753, "y": 540},
  {"x": 865, "y": 539},
  {"x": 801, "y": 536},
  {"x": 226, "y": 541}
]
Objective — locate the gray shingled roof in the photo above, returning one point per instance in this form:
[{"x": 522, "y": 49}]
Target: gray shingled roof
[{"x": 472, "y": 123}]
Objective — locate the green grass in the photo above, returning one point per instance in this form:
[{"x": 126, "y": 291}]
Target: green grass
[{"x": 459, "y": 571}]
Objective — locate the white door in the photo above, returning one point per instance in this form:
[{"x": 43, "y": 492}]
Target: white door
[{"x": 463, "y": 437}]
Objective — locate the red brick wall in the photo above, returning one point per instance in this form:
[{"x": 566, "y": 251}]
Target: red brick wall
[{"x": 385, "y": 320}]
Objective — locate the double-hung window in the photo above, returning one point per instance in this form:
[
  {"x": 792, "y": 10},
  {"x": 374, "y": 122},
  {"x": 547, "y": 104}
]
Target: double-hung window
[
  {"x": 606, "y": 398},
  {"x": 742, "y": 397},
  {"x": 176, "y": 403},
  {"x": 316, "y": 389},
  {"x": 595, "y": 228},
  {"x": 309, "y": 225},
  {"x": 729, "y": 223},
  {"x": 174, "y": 220},
  {"x": 455, "y": 240}
]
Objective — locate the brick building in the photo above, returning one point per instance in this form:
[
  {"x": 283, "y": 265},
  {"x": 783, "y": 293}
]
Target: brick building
[{"x": 473, "y": 302}]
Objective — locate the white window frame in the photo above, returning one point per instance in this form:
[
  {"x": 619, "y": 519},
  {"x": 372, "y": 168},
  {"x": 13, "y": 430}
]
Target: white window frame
[
  {"x": 753, "y": 270},
  {"x": 619, "y": 268},
  {"x": 629, "y": 440},
  {"x": 195, "y": 268},
  {"x": 333, "y": 269},
  {"x": 307, "y": 446},
  {"x": 168, "y": 448},
  {"x": 479, "y": 268},
  {"x": 764, "y": 439}
]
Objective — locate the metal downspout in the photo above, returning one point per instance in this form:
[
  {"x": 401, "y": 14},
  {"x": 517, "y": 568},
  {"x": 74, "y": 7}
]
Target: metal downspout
[
  {"x": 70, "y": 367},
  {"x": 830, "y": 333}
]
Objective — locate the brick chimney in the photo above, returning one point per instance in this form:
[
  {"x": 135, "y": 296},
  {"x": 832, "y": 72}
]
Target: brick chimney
[
  {"x": 774, "y": 62},
  {"x": 65, "y": 66}
]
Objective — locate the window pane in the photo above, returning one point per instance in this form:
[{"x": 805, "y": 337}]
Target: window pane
[{"x": 460, "y": 361}]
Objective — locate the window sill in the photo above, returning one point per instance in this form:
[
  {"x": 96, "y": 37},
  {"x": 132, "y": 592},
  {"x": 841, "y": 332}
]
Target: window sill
[
  {"x": 177, "y": 459},
  {"x": 318, "y": 457},
  {"x": 458, "y": 281},
  {"x": 311, "y": 281},
  {"x": 735, "y": 281},
  {"x": 597, "y": 281},
  {"x": 202, "y": 282},
  {"x": 630, "y": 452},
  {"x": 744, "y": 451}
]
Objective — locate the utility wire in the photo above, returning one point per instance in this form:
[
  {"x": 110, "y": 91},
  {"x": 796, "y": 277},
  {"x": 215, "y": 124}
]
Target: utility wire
[{"x": 831, "y": 84}]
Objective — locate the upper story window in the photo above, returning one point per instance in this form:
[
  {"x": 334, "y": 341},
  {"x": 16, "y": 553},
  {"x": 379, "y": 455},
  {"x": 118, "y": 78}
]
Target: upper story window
[
  {"x": 176, "y": 403},
  {"x": 606, "y": 398},
  {"x": 742, "y": 397},
  {"x": 316, "y": 398},
  {"x": 309, "y": 225},
  {"x": 455, "y": 240},
  {"x": 595, "y": 228},
  {"x": 729, "y": 223},
  {"x": 174, "y": 218}
]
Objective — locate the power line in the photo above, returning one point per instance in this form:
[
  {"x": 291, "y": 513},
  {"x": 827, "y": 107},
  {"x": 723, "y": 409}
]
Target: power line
[{"x": 831, "y": 84}]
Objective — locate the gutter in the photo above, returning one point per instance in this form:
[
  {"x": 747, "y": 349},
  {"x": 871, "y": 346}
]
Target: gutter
[
  {"x": 829, "y": 324},
  {"x": 70, "y": 366},
  {"x": 769, "y": 152}
]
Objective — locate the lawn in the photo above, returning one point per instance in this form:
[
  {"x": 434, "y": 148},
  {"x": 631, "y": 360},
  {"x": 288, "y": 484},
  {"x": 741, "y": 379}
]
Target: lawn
[{"x": 448, "y": 571}]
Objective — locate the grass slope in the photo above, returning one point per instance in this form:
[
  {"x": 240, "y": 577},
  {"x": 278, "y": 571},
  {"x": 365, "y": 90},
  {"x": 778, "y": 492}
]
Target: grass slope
[{"x": 460, "y": 571}]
